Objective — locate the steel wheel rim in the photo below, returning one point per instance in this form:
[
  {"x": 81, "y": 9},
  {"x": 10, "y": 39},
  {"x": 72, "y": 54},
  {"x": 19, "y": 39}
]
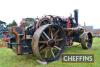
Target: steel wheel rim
[
  {"x": 88, "y": 41},
  {"x": 45, "y": 47}
]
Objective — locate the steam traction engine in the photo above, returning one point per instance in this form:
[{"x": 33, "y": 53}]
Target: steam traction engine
[{"x": 47, "y": 37}]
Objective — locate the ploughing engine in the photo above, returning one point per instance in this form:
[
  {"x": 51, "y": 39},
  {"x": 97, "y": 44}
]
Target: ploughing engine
[{"x": 47, "y": 37}]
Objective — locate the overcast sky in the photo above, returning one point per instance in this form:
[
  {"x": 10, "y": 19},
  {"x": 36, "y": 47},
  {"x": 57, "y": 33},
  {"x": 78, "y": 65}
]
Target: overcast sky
[{"x": 89, "y": 11}]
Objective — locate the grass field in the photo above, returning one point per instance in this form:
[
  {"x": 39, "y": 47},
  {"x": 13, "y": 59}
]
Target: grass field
[{"x": 9, "y": 59}]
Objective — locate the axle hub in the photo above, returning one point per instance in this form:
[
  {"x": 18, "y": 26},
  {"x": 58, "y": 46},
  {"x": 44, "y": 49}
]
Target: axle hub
[{"x": 51, "y": 43}]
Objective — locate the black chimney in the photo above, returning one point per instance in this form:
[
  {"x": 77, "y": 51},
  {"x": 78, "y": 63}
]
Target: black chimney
[{"x": 76, "y": 16}]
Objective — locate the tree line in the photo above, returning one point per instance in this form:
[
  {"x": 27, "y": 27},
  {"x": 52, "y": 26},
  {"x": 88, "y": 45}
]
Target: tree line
[{"x": 28, "y": 21}]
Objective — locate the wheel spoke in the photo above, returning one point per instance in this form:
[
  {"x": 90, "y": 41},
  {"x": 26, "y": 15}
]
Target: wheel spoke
[
  {"x": 57, "y": 47},
  {"x": 56, "y": 37},
  {"x": 46, "y": 53},
  {"x": 43, "y": 42},
  {"x": 43, "y": 37},
  {"x": 55, "y": 34},
  {"x": 52, "y": 52},
  {"x": 57, "y": 40},
  {"x": 42, "y": 47},
  {"x": 50, "y": 33},
  {"x": 46, "y": 35}
]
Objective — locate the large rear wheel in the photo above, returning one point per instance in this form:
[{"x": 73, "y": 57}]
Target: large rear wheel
[{"x": 48, "y": 42}]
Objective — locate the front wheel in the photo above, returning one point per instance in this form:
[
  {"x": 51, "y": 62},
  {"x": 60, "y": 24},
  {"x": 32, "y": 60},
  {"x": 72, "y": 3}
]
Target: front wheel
[{"x": 86, "y": 40}]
